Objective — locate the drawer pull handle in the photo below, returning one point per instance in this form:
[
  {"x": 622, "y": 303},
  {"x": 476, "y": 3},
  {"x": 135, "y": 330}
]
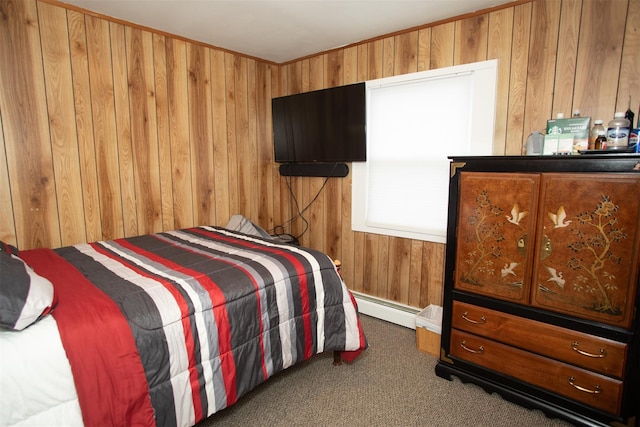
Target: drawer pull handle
[
  {"x": 597, "y": 389},
  {"x": 482, "y": 320},
  {"x": 575, "y": 345},
  {"x": 480, "y": 349}
]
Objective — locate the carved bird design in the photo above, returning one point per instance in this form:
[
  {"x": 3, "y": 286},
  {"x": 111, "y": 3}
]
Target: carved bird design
[
  {"x": 516, "y": 215},
  {"x": 559, "y": 218},
  {"x": 556, "y": 276},
  {"x": 508, "y": 269}
]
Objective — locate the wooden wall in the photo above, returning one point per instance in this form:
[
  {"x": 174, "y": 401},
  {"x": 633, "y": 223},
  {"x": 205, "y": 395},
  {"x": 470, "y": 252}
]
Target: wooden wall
[{"x": 111, "y": 130}]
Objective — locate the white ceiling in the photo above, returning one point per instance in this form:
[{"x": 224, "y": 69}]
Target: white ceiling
[{"x": 282, "y": 30}]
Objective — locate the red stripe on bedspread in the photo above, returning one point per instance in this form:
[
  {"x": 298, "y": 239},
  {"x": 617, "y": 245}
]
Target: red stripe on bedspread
[{"x": 107, "y": 371}]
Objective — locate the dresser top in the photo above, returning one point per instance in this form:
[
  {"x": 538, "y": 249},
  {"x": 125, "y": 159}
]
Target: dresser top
[{"x": 596, "y": 163}]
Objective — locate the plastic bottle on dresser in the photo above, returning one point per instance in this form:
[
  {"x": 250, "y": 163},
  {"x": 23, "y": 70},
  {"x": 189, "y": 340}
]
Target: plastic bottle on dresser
[
  {"x": 598, "y": 136},
  {"x": 618, "y": 132}
]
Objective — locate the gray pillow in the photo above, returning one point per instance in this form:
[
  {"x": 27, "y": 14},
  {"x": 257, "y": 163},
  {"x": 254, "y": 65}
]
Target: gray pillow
[{"x": 25, "y": 296}]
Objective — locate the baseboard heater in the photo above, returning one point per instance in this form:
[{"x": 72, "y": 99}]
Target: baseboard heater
[{"x": 389, "y": 311}]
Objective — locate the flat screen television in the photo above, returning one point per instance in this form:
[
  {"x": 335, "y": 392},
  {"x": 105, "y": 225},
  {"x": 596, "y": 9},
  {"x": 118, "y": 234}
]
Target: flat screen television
[{"x": 325, "y": 126}]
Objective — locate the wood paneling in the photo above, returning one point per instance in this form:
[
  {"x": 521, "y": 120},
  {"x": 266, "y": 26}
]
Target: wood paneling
[
  {"x": 111, "y": 130},
  {"x": 179, "y": 139},
  {"x": 629, "y": 81},
  {"x": 518, "y": 81},
  {"x": 64, "y": 145},
  {"x": 25, "y": 126},
  {"x": 600, "y": 59},
  {"x": 84, "y": 126},
  {"x": 112, "y": 142},
  {"x": 144, "y": 130},
  {"x": 499, "y": 47}
]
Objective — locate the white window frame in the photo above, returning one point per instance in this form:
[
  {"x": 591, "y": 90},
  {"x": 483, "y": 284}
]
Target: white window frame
[{"x": 441, "y": 126}]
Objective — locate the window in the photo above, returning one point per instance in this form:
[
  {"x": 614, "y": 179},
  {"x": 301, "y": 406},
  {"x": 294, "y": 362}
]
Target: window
[{"x": 414, "y": 122}]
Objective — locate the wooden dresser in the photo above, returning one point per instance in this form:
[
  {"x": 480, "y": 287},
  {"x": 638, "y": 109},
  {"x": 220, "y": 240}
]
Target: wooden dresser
[{"x": 541, "y": 283}]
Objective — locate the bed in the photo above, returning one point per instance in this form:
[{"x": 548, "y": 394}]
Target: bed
[{"x": 163, "y": 329}]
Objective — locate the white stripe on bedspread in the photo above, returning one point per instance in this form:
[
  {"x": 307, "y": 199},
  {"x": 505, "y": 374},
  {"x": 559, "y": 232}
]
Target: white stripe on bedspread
[{"x": 36, "y": 390}]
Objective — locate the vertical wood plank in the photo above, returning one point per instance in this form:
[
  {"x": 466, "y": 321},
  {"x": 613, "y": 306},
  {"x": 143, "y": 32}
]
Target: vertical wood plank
[
  {"x": 471, "y": 40},
  {"x": 499, "y": 47},
  {"x": 123, "y": 142},
  {"x": 144, "y": 130},
  {"x": 105, "y": 135},
  {"x": 375, "y": 60},
  {"x": 200, "y": 134},
  {"x": 415, "y": 273},
  {"x": 371, "y": 258},
  {"x": 346, "y": 235},
  {"x": 542, "y": 60},
  {"x": 388, "y": 55},
  {"x": 252, "y": 121},
  {"x": 424, "y": 49},
  {"x": 311, "y": 78},
  {"x": 291, "y": 81},
  {"x": 350, "y": 65},
  {"x": 64, "y": 146},
  {"x": 442, "y": 45},
  {"x": 567, "y": 56},
  {"x": 332, "y": 193},
  {"x": 27, "y": 143},
  {"x": 264, "y": 130},
  {"x": 382, "y": 267},
  {"x": 599, "y": 58},
  {"x": 84, "y": 125},
  {"x": 232, "y": 143},
  {"x": 278, "y": 85},
  {"x": 363, "y": 62},
  {"x": 399, "y": 270},
  {"x": 360, "y": 261},
  {"x": 516, "y": 133},
  {"x": 164, "y": 139},
  {"x": 629, "y": 81},
  {"x": 244, "y": 148},
  {"x": 219, "y": 127},
  {"x": 178, "y": 105},
  {"x": 406, "y": 53},
  {"x": 313, "y": 187},
  {"x": 432, "y": 274}
]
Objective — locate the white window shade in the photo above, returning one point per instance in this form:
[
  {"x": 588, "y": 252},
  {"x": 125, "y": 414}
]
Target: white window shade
[{"x": 414, "y": 122}]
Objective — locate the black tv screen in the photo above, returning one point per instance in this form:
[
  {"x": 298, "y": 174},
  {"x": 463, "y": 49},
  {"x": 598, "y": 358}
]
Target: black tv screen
[{"x": 325, "y": 125}]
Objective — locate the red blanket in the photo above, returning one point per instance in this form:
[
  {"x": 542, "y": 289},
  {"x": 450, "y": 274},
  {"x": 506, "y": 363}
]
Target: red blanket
[{"x": 110, "y": 381}]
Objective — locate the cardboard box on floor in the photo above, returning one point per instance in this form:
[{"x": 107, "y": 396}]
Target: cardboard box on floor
[{"x": 429, "y": 329}]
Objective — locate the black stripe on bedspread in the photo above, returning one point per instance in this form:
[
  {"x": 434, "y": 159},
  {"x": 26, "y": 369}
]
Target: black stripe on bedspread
[{"x": 231, "y": 300}]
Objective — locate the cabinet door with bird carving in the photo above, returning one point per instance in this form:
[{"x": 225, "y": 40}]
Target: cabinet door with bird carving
[
  {"x": 587, "y": 246},
  {"x": 496, "y": 221}
]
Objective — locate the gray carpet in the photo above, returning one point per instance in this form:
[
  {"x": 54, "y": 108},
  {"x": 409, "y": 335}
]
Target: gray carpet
[{"x": 391, "y": 384}]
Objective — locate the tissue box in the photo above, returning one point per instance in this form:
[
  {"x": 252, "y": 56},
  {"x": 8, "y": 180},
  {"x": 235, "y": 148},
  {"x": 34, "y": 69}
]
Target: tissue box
[{"x": 429, "y": 329}]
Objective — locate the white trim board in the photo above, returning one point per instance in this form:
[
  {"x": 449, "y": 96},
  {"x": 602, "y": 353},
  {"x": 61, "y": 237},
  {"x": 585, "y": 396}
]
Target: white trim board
[{"x": 389, "y": 311}]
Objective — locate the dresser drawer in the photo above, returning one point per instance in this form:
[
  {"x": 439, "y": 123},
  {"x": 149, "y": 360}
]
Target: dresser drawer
[
  {"x": 576, "y": 348},
  {"x": 578, "y": 384}
]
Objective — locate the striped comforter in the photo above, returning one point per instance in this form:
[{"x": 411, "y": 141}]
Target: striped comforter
[{"x": 167, "y": 329}]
